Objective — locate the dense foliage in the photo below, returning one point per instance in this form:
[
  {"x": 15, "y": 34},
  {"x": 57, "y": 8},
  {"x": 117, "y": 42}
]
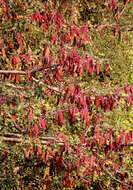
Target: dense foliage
[{"x": 66, "y": 94}]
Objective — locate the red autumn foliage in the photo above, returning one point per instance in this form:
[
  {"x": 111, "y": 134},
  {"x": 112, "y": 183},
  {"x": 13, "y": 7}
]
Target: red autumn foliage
[
  {"x": 35, "y": 129},
  {"x": 60, "y": 117},
  {"x": 112, "y": 4},
  {"x": 43, "y": 124}
]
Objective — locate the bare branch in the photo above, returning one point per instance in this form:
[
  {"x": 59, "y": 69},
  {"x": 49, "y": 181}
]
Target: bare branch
[
  {"x": 28, "y": 71},
  {"x": 11, "y": 135},
  {"x": 26, "y": 165},
  {"x": 14, "y": 140},
  {"x": 14, "y": 86},
  {"x": 13, "y": 72},
  {"x": 121, "y": 182},
  {"x": 18, "y": 138}
]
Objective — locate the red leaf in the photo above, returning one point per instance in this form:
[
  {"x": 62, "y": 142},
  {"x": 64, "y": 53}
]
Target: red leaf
[
  {"x": 29, "y": 75},
  {"x": 35, "y": 129},
  {"x": 60, "y": 117},
  {"x": 18, "y": 37},
  {"x": 45, "y": 6},
  {"x": 84, "y": 113},
  {"x": 125, "y": 1},
  {"x": 112, "y": 4},
  {"x": 128, "y": 138},
  {"x": 87, "y": 170},
  {"x": 108, "y": 69},
  {"x": 102, "y": 100},
  {"x": 71, "y": 31},
  {"x": 16, "y": 60},
  {"x": 58, "y": 19},
  {"x": 46, "y": 51},
  {"x": 82, "y": 100},
  {"x": 66, "y": 146},
  {"x": 130, "y": 99},
  {"x": 102, "y": 141},
  {"x": 87, "y": 122},
  {"x": 89, "y": 65},
  {"x": 107, "y": 103},
  {"x": 50, "y": 152},
  {"x": 97, "y": 132},
  {"x": 74, "y": 30},
  {"x": 58, "y": 75},
  {"x": 14, "y": 117},
  {"x": 44, "y": 27},
  {"x": 55, "y": 37},
  {"x": 98, "y": 68},
  {"x": 92, "y": 160},
  {"x": 127, "y": 89},
  {"x": 61, "y": 135},
  {"x": 43, "y": 123},
  {"x": 17, "y": 78},
  {"x": 27, "y": 153},
  {"x": 97, "y": 101},
  {"x": 80, "y": 70},
  {"x": 84, "y": 30},
  {"x": 71, "y": 89},
  {"x": 10, "y": 45},
  {"x": 37, "y": 17},
  {"x": 85, "y": 159},
  {"x": 97, "y": 118},
  {"x": 39, "y": 151},
  {"x": 88, "y": 62},
  {"x": 111, "y": 102},
  {"x": 65, "y": 38},
  {"x": 88, "y": 100},
  {"x": 30, "y": 115},
  {"x": 100, "y": 30},
  {"x": 131, "y": 89},
  {"x": 82, "y": 138},
  {"x": 72, "y": 114},
  {"x": 1, "y": 101}
]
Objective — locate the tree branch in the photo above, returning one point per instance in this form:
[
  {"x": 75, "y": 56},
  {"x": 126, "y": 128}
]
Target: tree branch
[
  {"x": 18, "y": 138},
  {"x": 28, "y": 71},
  {"x": 13, "y": 72},
  {"x": 26, "y": 165}
]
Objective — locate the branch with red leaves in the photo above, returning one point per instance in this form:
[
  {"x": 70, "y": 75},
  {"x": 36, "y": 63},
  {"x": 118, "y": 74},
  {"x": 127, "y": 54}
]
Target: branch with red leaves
[{"x": 18, "y": 138}]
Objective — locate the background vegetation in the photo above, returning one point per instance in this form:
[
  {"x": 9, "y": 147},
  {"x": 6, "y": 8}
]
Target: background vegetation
[{"x": 28, "y": 100}]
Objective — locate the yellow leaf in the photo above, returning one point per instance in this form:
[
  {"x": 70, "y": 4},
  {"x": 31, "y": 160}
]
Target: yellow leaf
[
  {"x": 46, "y": 172},
  {"x": 44, "y": 187},
  {"x": 109, "y": 162},
  {"x": 1, "y": 11}
]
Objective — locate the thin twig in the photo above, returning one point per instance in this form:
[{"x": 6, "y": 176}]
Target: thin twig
[
  {"x": 14, "y": 86},
  {"x": 119, "y": 14},
  {"x": 48, "y": 86},
  {"x": 121, "y": 182},
  {"x": 26, "y": 165}
]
